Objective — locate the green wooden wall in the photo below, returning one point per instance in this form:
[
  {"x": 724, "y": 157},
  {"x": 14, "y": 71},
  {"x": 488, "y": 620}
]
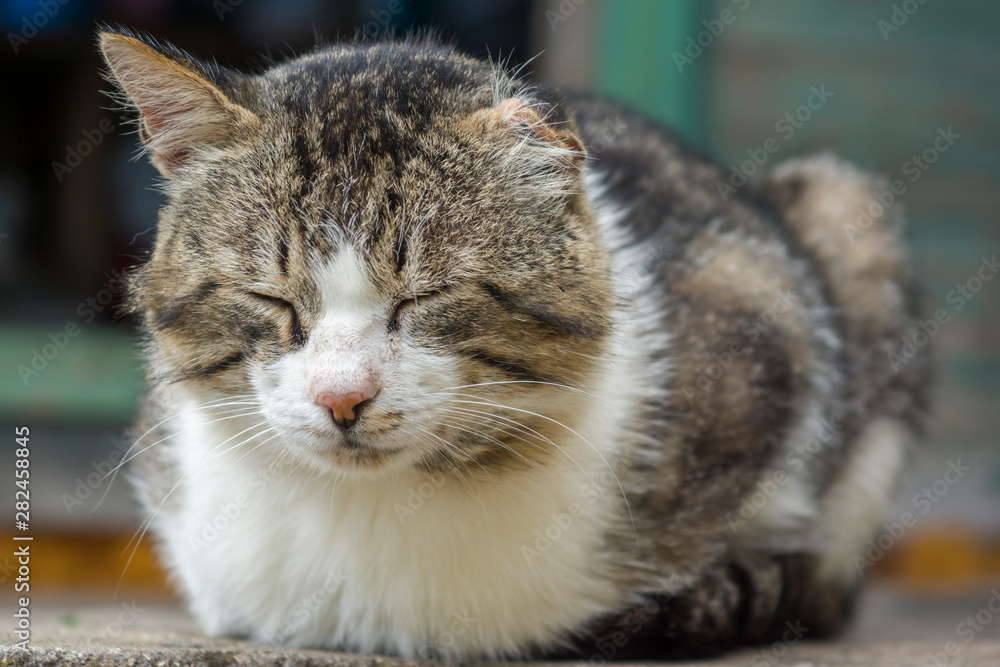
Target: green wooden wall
[{"x": 899, "y": 73}]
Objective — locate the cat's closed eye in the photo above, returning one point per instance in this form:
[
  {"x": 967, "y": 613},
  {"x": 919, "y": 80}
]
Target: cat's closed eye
[
  {"x": 407, "y": 301},
  {"x": 295, "y": 325}
]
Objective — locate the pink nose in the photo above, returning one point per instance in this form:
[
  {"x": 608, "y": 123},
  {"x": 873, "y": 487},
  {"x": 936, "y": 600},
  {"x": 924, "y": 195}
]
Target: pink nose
[{"x": 343, "y": 407}]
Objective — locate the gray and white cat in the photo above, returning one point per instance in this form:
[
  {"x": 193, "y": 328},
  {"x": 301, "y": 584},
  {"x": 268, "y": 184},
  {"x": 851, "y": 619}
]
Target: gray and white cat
[{"x": 427, "y": 380}]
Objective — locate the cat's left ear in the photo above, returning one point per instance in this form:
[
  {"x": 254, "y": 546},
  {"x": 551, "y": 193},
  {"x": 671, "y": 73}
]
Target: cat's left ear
[
  {"x": 533, "y": 121},
  {"x": 182, "y": 111}
]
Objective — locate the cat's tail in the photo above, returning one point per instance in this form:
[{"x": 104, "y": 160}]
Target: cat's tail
[{"x": 851, "y": 224}]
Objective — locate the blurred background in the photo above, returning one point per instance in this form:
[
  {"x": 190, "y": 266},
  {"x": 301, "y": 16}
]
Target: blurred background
[{"x": 905, "y": 88}]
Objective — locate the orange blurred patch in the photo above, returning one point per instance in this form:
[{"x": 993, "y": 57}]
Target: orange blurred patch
[
  {"x": 67, "y": 564},
  {"x": 941, "y": 557}
]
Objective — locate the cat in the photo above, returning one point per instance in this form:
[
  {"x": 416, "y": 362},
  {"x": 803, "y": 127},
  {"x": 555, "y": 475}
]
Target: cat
[{"x": 432, "y": 376}]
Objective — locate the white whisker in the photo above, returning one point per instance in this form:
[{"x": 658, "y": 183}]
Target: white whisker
[
  {"x": 126, "y": 458},
  {"x": 144, "y": 527},
  {"x": 487, "y": 402}
]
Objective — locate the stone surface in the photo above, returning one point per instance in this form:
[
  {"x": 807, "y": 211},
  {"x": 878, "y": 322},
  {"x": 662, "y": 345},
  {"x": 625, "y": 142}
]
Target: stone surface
[{"x": 891, "y": 630}]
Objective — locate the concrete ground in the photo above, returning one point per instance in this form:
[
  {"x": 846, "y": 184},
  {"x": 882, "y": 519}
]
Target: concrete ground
[{"x": 891, "y": 630}]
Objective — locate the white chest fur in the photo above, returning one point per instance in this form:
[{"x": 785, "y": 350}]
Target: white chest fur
[{"x": 408, "y": 565}]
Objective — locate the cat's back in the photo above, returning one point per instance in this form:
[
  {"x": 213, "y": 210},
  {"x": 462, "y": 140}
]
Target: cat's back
[
  {"x": 669, "y": 187},
  {"x": 781, "y": 318}
]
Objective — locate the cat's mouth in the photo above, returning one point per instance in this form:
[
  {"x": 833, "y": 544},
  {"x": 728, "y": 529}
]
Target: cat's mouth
[
  {"x": 356, "y": 440},
  {"x": 364, "y": 458},
  {"x": 363, "y": 445},
  {"x": 355, "y": 451}
]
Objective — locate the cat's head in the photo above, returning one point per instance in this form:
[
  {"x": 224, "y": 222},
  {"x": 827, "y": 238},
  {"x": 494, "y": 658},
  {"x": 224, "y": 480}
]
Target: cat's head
[{"x": 376, "y": 245}]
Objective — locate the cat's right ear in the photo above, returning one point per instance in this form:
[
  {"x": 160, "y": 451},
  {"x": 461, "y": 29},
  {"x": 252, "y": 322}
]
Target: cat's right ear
[
  {"x": 523, "y": 118},
  {"x": 181, "y": 111}
]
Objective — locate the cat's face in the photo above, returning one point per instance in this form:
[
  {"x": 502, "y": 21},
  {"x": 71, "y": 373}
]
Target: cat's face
[{"x": 392, "y": 261}]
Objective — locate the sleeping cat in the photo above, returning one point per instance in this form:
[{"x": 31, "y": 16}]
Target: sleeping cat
[{"x": 427, "y": 380}]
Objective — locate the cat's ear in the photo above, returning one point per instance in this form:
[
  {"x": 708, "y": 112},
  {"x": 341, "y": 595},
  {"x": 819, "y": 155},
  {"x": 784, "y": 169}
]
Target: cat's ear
[
  {"x": 529, "y": 119},
  {"x": 181, "y": 110}
]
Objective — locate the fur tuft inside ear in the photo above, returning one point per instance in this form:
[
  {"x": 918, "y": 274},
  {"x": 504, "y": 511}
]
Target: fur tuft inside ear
[
  {"x": 524, "y": 118},
  {"x": 181, "y": 110}
]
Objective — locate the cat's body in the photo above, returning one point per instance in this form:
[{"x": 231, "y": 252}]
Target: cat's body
[{"x": 624, "y": 406}]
